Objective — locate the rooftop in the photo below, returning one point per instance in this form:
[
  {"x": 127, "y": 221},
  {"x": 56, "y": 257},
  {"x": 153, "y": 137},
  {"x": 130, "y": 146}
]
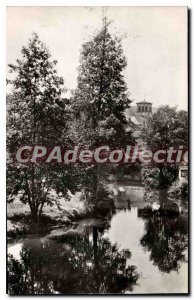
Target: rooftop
[
  {"x": 144, "y": 102},
  {"x": 132, "y": 114}
]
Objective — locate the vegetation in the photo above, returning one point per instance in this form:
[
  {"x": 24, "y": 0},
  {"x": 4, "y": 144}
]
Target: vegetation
[
  {"x": 179, "y": 192},
  {"x": 166, "y": 128},
  {"x": 99, "y": 102},
  {"x": 38, "y": 114}
]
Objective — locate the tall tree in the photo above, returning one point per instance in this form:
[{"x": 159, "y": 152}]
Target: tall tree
[
  {"x": 36, "y": 116},
  {"x": 102, "y": 92},
  {"x": 101, "y": 97}
]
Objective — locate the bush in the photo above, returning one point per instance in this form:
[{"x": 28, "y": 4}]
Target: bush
[
  {"x": 153, "y": 179},
  {"x": 179, "y": 191}
]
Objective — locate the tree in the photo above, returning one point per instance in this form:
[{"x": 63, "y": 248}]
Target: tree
[
  {"x": 101, "y": 97},
  {"x": 166, "y": 128},
  {"x": 37, "y": 115},
  {"x": 179, "y": 191}
]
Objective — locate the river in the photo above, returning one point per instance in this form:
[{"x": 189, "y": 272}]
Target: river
[{"x": 124, "y": 253}]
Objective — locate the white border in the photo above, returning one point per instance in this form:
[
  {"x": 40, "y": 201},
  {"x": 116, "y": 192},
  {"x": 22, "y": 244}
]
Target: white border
[
  {"x": 98, "y": 3},
  {"x": 3, "y": 5}
]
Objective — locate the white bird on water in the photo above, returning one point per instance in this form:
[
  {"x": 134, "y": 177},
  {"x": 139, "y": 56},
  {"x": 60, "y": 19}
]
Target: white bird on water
[
  {"x": 121, "y": 189},
  {"x": 155, "y": 206}
]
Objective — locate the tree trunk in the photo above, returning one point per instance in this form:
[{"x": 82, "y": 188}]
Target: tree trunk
[
  {"x": 34, "y": 212},
  {"x": 162, "y": 189},
  {"x": 95, "y": 245},
  {"x": 162, "y": 197},
  {"x": 96, "y": 263},
  {"x": 40, "y": 210},
  {"x": 96, "y": 187}
]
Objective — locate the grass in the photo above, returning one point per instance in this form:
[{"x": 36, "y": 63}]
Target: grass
[
  {"x": 16, "y": 209},
  {"x": 68, "y": 209},
  {"x": 74, "y": 205},
  {"x": 18, "y": 214}
]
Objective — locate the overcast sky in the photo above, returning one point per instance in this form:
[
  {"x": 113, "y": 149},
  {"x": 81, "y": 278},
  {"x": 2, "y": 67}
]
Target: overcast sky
[{"x": 155, "y": 44}]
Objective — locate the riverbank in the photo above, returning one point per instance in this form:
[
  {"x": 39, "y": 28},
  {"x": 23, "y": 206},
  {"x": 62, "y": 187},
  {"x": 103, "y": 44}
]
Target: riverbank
[
  {"x": 19, "y": 219},
  {"x": 99, "y": 249}
]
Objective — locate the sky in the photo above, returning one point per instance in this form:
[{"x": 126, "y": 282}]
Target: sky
[{"x": 154, "y": 43}]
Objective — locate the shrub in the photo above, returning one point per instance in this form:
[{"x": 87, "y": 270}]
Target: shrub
[{"x": 179, "y": 191}]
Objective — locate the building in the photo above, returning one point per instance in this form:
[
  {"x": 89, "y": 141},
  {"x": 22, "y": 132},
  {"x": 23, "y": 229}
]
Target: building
[
  {"x": 144, "y": 108},
  {"x": 183, "y": 172},
  {"x": 137, "y": 115}
]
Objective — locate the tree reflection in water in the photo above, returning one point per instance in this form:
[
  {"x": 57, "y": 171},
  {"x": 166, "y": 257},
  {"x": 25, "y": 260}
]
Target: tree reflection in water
[
  {"x": 79, "y": 264},
  {"x": 166, "y": 239}
]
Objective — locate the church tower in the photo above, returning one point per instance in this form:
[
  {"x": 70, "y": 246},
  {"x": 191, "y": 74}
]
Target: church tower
[{"x": 144, "y": 108}]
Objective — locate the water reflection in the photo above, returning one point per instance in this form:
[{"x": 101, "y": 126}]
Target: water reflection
[
  {"x": 74, "y": 265},
  {"x": 129, "y": 231},
  {"x": 123, "y": 252},
  {"x": 166, "y": 239}
]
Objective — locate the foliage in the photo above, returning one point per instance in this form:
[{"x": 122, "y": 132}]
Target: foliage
[
  {"x": 99, "y": 101},
  {"x": 101, "y": 96},
  {"x": 179, "y": 191},
  {"x": 37, "y": 115},
  {"x": 75, "y": 206},
  {"x": 168, "y": 127},
  {"x": 151, "y": 177}
]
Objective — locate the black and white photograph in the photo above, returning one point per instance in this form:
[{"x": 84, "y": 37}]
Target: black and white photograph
[{"x": 97, "y": 150}]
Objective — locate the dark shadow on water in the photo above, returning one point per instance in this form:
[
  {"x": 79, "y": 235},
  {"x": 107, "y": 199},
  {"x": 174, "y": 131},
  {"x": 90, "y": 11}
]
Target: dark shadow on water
[
  {"x": 80, "y": 259},
  {"x": 79, "y": 265},
  {"x": 166, "y": 238}
]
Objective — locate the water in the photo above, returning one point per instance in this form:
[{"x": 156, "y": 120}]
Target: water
[
  {"x": 122, "y": 253},
  {"x": 163, "y": 269}
]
